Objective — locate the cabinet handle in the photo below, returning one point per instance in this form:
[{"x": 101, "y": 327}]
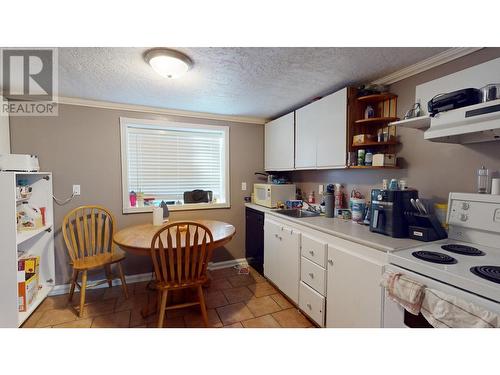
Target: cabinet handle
[
  {"x": 311, "y": 275},
  {"x": 330, "y": 261},
  {"x": 309, "y": 306},
  {"x": 311, "y": 252},
  {"x": 276, "y": 235}
]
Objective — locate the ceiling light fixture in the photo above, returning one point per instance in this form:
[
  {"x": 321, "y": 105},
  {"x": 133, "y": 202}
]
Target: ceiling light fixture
[{"x": 168, "y": 63}]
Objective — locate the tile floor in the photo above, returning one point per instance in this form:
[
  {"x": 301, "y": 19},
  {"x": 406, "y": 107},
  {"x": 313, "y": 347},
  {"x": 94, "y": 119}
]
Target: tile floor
[{"x": 233, "y": 301}]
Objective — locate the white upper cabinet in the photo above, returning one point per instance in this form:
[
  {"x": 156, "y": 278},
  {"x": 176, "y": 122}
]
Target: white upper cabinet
[
  {"x": 320, "y": 133},
  {"x": 279, "y": 143}
]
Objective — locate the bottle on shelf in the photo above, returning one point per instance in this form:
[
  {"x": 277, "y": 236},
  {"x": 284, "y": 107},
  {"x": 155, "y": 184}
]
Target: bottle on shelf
[{"x": 482, "y": 180}]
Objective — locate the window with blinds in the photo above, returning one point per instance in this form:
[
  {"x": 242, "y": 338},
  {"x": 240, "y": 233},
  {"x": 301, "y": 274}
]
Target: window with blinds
[{"x": 161, "y": 161}]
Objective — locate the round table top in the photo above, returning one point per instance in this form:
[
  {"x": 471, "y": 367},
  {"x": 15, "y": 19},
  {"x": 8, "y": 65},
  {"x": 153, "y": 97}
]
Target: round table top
[{"x": 137, "y": 238}]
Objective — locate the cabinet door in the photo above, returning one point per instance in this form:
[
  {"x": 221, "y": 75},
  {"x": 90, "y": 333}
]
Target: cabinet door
[
  {"x": 271, "y": 249},
  {"x": 306, "y": 125},
  {"x": 354, "y": 295},
  {"x": 279, "y": 144},
  {"x": 332, "y": 128},
  {"x": 288, "y": 263}
]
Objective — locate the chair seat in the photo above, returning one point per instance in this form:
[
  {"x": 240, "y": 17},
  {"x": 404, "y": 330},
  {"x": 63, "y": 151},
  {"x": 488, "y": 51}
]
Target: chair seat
[
  {"x": 98, "y": 261},
  {"x": 175, "y": 285}
]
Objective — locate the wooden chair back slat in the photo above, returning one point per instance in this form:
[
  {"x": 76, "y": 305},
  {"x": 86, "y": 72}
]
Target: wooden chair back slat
[
  {"x": 85, "y": 234},
  {"x": 195, "y": 255},
  {"x": 187, "y": 258}
]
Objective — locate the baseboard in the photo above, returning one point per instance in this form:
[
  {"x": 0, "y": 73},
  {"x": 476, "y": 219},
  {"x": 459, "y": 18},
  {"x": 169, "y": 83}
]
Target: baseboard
[
  {"x": 131, "y": 279},
  {"x": 228, "y": 263}
]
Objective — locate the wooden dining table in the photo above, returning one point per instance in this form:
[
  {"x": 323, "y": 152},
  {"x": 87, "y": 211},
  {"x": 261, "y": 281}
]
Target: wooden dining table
[{"x": 136, "y": 240}]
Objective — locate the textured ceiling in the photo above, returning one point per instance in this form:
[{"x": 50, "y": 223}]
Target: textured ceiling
[{"x": 255, "y": 82}]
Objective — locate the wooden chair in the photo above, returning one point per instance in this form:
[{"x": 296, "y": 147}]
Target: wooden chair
[
  {"x": 88, "y": 233},
  {"x": 180, "y": 253}
]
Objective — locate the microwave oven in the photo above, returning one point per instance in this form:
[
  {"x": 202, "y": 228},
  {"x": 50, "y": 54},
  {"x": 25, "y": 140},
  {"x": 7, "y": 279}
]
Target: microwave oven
[{"x": 268, "y": 195}]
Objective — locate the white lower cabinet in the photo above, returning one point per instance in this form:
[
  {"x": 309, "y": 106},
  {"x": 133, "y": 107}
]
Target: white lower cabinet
[
  {"x": 282, "y": 257},
  {"x": 312, "y": 303},
  {"x": 354, "y": 295},
  {"x": 335, "y": 282}
]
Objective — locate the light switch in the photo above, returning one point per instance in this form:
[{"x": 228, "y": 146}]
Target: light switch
[
  {"x": 244, "y": 186},
  {"x": 321, "y": 189},
  {"x": 76, "y": 190}
]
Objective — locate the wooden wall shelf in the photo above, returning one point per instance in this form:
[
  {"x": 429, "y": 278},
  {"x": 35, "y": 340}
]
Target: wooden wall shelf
[
  {"x": 375, "y": 120},
  {"x": 376, "y": 97},
  {"x": 374, "y": 144},
  {"x": 372, "y": 167}
]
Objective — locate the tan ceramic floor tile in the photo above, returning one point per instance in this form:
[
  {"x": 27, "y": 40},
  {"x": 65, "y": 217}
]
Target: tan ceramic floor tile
[
  {"x": 240, "y": 294},
  {"x": 241, "y": 280},
  {"x": 281, "y": 301},
  {"x": 262, "y": 289},
  {"x": 223, "y": 273},
  {"x": 215, "y": 299},
  {"x": 133, "y": 302},
  {"x": 80, "y": 323},
  {"x": 139, "y": 288},
  {"x": 291, "y": 318},
  {"x": 195, "y": 320},
  {"x": 55, "y": 302},
  {"x": 115, "y": 320},
  {"x": 234, "y": 325},
  {"x": 177, "y": 322},
  {"x": 219, "y": 284},
  {"x": 54, "y": 317},
  {"x": 136, "y": 318},
  {"x": 266, "y": 321},
  {"x": 114, "y": 292},
  {"x": 262, "y": 306},
  {"x": 91, "y": 295},
  {"x": 33, "y": 319},
  {"x": 97, "y": 308},
  {"x": 234, "y": 313}
]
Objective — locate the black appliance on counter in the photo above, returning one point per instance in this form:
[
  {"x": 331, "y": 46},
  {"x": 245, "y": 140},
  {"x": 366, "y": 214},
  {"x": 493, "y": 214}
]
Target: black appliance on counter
[
  {"x": 453, "y": 100},
  {"x": 387, "y": 211},
  {"x": 254, "y": 239}
]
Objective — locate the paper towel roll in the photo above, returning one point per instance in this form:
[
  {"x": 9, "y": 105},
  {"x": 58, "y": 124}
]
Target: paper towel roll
[
  {"x": 157, "y": 216},
  {"x": 495, "y": 186}
]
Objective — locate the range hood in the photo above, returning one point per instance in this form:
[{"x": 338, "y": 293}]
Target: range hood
[{"x": 471, "y": 124}]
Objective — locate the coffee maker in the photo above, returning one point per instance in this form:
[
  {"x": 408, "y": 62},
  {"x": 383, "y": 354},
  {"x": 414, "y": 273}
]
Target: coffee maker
[{"x": 387, "y": 211}]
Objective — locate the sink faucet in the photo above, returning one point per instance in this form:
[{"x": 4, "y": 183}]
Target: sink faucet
[{"x": 310, "y": 207}]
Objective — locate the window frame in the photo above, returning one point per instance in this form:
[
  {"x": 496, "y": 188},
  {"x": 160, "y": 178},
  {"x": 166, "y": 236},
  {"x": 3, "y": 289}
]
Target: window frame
[{"x": 125, "y": 122}]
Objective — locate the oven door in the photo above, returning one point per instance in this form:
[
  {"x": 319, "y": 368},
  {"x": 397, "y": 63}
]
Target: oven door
[{"x": 396, "y": 316}]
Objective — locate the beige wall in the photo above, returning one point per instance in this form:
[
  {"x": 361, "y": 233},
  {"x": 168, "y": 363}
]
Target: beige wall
[
  {"x": 435, "y": 169},
  {"x": 82, "y": 146}
]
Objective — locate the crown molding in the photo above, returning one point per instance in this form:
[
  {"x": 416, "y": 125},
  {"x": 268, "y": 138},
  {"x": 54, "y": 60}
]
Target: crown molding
[
  {"x": 159, "y": 111},
  {"x": 436, "y": 60}
]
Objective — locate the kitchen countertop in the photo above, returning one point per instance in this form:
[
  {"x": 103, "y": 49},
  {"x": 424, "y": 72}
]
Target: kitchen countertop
[{"x": 346, "y": 229}]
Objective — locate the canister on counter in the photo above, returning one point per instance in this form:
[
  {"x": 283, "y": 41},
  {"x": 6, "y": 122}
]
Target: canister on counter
[
  {"x": 361, "y": 156},
  {"x": 368, "y": 158},
  {"x": 385, "y": 184},
  {"x": 393, "y": 185}
]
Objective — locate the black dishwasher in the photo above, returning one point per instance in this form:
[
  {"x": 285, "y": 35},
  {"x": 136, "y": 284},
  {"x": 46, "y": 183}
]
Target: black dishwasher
[{"x": 254, "y": 239}]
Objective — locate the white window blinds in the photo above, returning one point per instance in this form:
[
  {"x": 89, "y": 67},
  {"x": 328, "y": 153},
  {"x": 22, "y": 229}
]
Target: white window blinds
[{"x": 165, "y": 162}]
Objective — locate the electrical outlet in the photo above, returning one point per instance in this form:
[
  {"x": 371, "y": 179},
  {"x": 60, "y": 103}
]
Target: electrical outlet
[
  {"x": 76, "y": 190},
  {"x": 321, "y": 189},
  {"x": 244, "y": 186}
]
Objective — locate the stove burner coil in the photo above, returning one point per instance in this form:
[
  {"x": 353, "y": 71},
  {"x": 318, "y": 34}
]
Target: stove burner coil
[
  {"x": 491, "y": 273},
  {"x": 463, "y": 250},
  {"x": 434, "y": 257}
]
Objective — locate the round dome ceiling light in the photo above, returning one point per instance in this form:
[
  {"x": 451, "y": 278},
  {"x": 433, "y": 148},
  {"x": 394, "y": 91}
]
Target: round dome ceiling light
[{"x": 168, "y": 63}]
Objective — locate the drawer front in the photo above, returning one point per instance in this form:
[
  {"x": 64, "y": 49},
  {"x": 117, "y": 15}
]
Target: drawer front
[
  {"x": 312, "y": 303},
  {"x": 313, "y": 275},
  {"x": 314, "y": 250}
]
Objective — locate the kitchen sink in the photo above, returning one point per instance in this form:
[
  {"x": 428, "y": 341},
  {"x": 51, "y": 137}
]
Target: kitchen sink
[{"x": 297, "y": 213}]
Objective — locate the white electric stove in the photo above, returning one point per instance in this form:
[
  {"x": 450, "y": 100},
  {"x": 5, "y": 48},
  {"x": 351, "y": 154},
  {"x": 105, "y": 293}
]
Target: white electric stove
[{"x": 467, "y": 263}]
